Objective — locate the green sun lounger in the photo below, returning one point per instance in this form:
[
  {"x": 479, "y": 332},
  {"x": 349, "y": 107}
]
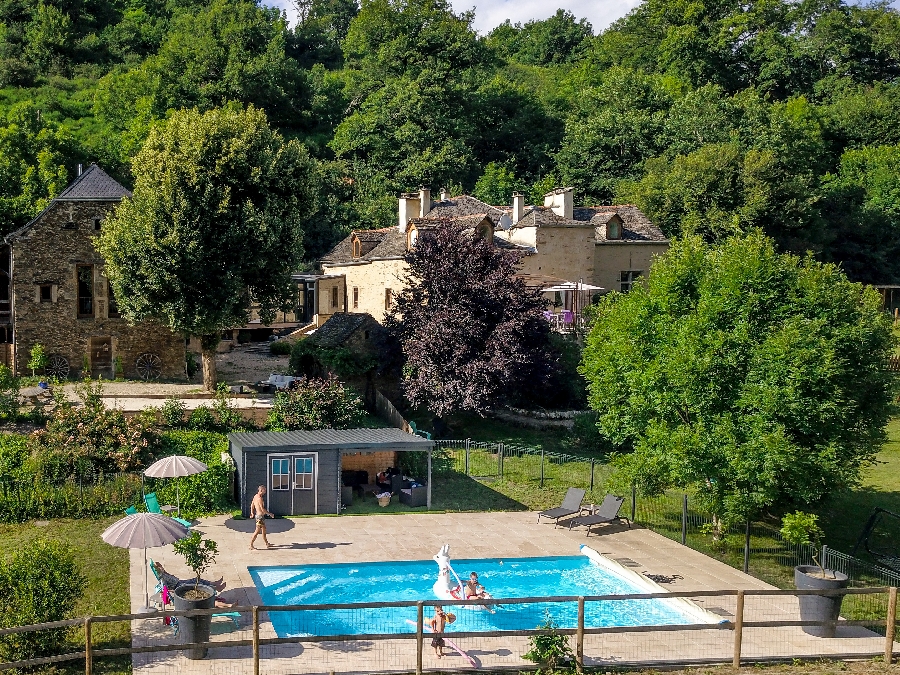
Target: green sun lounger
[{"x": 153, "y": 507}]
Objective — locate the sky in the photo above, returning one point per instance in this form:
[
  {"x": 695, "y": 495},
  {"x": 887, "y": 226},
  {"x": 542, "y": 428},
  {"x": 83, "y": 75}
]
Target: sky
[{"x": 491, "y": 13}]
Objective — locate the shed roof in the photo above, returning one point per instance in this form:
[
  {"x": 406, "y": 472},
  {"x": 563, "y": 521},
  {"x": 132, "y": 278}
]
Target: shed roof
[
  {"x": 335, "y": 331},
  {"x": 336, "y": 439}
]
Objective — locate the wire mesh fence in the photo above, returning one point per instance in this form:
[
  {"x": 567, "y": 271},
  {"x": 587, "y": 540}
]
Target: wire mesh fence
[{"x": 649, "y": 629}]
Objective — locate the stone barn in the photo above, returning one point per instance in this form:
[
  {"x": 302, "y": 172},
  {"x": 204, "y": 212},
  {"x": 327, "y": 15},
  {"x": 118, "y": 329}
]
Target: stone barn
[
  {"x": 302, "y": 470},
  {"x": 53, "y": 292}
]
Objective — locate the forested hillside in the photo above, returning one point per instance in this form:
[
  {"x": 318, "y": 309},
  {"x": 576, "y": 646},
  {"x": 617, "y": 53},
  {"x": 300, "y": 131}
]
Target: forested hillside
[{"x": 713, "y": 116}]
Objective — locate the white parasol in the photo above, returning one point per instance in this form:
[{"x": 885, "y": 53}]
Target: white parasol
[
  {"x": 144, "y": 530},
  {"x": 175, "y": 466}
]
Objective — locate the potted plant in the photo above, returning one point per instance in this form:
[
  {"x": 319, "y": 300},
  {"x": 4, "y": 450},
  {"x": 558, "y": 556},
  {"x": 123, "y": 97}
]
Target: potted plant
[
  {"x": 199, "y": 554},
  {"x": 802, "y": 529},
  {"x": 550, "y": 650}
]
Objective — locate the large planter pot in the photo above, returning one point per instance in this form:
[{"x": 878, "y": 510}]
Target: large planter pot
[
  {"x": 194, "y": 628},
  {"x": 819, "y": 607}
]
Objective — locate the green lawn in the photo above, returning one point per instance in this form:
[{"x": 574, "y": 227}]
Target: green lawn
[{"x": 106, "y": 570}]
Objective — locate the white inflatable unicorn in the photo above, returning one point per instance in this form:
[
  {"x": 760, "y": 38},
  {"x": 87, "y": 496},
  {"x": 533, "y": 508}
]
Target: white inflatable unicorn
[{"x": 451, "y": 588}]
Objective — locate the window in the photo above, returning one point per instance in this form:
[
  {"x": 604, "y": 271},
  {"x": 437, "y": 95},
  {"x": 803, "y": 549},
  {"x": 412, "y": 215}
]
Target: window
[
  {"x": 281, "y": 474},
  {"x": 614, "y": 230},
  {"x": 303, "y": 473},
  {"x": 365, "y": 335},
  {"x": 85, "y": 275},
  {"x": 96, "y": 223},
  {"x": 355, "y": 298},
  {"x": 46, "y": 293},
  {"x": 356, "y": 248},
  {"x": 334, "y": 297},
  {"x": 388, "y": 299},
  {"x": 628, "y": 278},
  {"x": 70, "y": 225},
  {"x": 113, "y": 305}
]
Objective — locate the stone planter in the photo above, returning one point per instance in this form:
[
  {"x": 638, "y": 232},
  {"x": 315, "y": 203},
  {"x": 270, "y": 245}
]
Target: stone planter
[
  {"x": 819, "y": 607},
  {"x": 194, "y": 628}
]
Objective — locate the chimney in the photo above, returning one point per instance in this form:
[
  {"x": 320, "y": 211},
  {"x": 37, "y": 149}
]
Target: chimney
[
  {"x": 79, "y": 169},
  {"x": 560, "y": 202},
  {"x": 408, "y": 209},
  {"x": 424, "y": 201},
  {"x": 518, "y": 207},
  {"x": 445, "y": 194}
]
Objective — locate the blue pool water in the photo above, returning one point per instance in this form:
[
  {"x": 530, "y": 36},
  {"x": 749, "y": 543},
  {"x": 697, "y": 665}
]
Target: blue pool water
[{"x": 413, "y": 580}]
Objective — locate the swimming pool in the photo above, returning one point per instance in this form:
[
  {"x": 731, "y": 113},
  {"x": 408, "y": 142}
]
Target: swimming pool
[{"x": 413, "y": 580}]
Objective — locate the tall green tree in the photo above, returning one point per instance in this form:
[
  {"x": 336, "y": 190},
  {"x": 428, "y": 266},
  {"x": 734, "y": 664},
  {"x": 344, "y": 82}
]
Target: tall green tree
[
  {"x": 755, "y": 379},
  {"x": 214, "y": 225}
]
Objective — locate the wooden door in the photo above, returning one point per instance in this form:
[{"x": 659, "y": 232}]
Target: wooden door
[
  {"x": 102, "y": 357},
  {"x": 279, "y": 493}
]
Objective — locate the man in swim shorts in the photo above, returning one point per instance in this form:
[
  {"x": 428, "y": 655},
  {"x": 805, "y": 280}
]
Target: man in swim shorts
[
  {"x": 259, "y": 511},
  {"x": 437, "y": 623}
]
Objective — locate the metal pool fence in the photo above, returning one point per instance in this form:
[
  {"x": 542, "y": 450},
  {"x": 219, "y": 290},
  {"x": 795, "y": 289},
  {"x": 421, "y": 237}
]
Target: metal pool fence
[
  {"x": 756, "y": 548},
  {"x": 737, "y": 627}
]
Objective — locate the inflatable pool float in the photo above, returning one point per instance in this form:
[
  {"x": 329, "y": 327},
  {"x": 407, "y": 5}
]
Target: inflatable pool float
[{"x": 452, "y": 588}]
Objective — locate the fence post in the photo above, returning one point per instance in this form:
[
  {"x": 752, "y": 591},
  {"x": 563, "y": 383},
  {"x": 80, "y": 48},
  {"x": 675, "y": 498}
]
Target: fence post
[
  {"x": 747, "y": 549},
  {"x": 825, "y": 556},
  {"x": 500, "y": 460},
  {"x": 88, "y": 655},
  {"x": 738, "y": 629},
  {"x": 592, "y": 475},
  {"x": 255, "y": 640},
  {"x": 542, "y": 466},
  {"x": 633, "y": 501},
  {"x": 467, "y": 456},
  {"x": 420, "y": 630},
  {"x": 891, "y": 624},
  {"x": 579, "y": 637},
  {"x": 684, "y": 521}
]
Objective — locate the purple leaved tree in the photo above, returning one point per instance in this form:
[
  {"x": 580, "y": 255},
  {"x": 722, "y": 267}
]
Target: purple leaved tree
[{"x": 472, "y": 333}]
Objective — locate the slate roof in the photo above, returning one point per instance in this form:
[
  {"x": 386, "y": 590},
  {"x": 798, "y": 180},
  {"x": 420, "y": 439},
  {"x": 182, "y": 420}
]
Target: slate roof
[
  {"x": 94, "y": 184},
  {"x": 339, "y": 327},
  {"x": 342, "y": 439},
  {"x": 464, "y": 205},
  {"x": 387, "y": 242},
  {"x": 636, "y": 226}
]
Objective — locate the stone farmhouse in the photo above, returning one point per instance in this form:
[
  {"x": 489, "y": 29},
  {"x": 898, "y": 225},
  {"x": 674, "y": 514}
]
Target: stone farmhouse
[
  {"x": 53, "y": 292},
  {"x": 567, "y": 251}
]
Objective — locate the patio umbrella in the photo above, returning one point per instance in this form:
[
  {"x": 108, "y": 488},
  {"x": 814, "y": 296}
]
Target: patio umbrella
[
  {"x": 175, "y": 466},
  {"x": 144, "y": 530}
]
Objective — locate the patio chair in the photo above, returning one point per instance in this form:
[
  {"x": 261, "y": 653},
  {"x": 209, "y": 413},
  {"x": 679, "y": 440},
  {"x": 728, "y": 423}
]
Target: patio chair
[
  {"x": 130, "y": 511},
  {"x": 418, "y": 432},
  {"x": 608, "y": 512},
  {"x": 570, "y": 506},
  {"x": 153, "y": 507},
  {"x": 233, "y": 616}
]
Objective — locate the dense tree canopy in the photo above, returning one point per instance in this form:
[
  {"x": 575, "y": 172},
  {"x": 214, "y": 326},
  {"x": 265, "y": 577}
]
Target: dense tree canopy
[
  {"x": 471, "y": 332},
  {"x": 214, "y": 223},
  {"x": 714, "y": 117},
  {"x": 755, "y": 378}
]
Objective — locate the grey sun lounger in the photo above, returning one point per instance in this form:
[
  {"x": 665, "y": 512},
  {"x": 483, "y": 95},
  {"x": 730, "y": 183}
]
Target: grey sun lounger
[
  {"x": 570, "y": 506},
  {"x": 608, "y": 512}
]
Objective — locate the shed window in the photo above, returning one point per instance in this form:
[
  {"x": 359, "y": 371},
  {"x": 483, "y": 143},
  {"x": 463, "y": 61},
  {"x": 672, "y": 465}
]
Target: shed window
[
  {"x": 303, "y": 473},
  {"x": 281, "y": 474},
  {"x": 46, "y": 292},
  {"x": 85, "y": 275}
]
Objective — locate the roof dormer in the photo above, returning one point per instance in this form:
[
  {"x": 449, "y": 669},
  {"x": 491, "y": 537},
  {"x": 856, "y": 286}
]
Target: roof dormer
[
  {"x": 614, "y": 227},
  {"x": 356, "y": 247}
]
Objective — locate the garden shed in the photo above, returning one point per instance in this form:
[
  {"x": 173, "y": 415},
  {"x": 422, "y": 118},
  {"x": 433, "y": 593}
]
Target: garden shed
[{"x": 302, "y": 469}]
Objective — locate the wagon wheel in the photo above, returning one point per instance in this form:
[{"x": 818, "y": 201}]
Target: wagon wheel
[
  {"x": 57, "y": 367},
  {"x": 149, "y": 366}
]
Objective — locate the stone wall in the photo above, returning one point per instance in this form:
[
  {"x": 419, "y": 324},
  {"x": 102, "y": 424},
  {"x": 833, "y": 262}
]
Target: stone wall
[
  {"x": 48, "y": 254},
  {"x": 613, "y": 258}
]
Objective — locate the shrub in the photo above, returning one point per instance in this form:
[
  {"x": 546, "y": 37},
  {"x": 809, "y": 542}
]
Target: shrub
[
  {"x": 202, "y": 419},
  {"x": 198, "y": 553},
  {"x": 93, "y": 439},
  {"x": 203, "y": 493},
  {"x": 550, "y": 650},
  {"x": 9, "y": 394},
  {"x": 316, "y": 404},
  {"x": 39, "y": 582},
  {"x": 281, "y": 347},
  {"x": 172, "y": 412},
  {"x": 228, "y": 417},
  {"x": 802, "y": 529}
]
